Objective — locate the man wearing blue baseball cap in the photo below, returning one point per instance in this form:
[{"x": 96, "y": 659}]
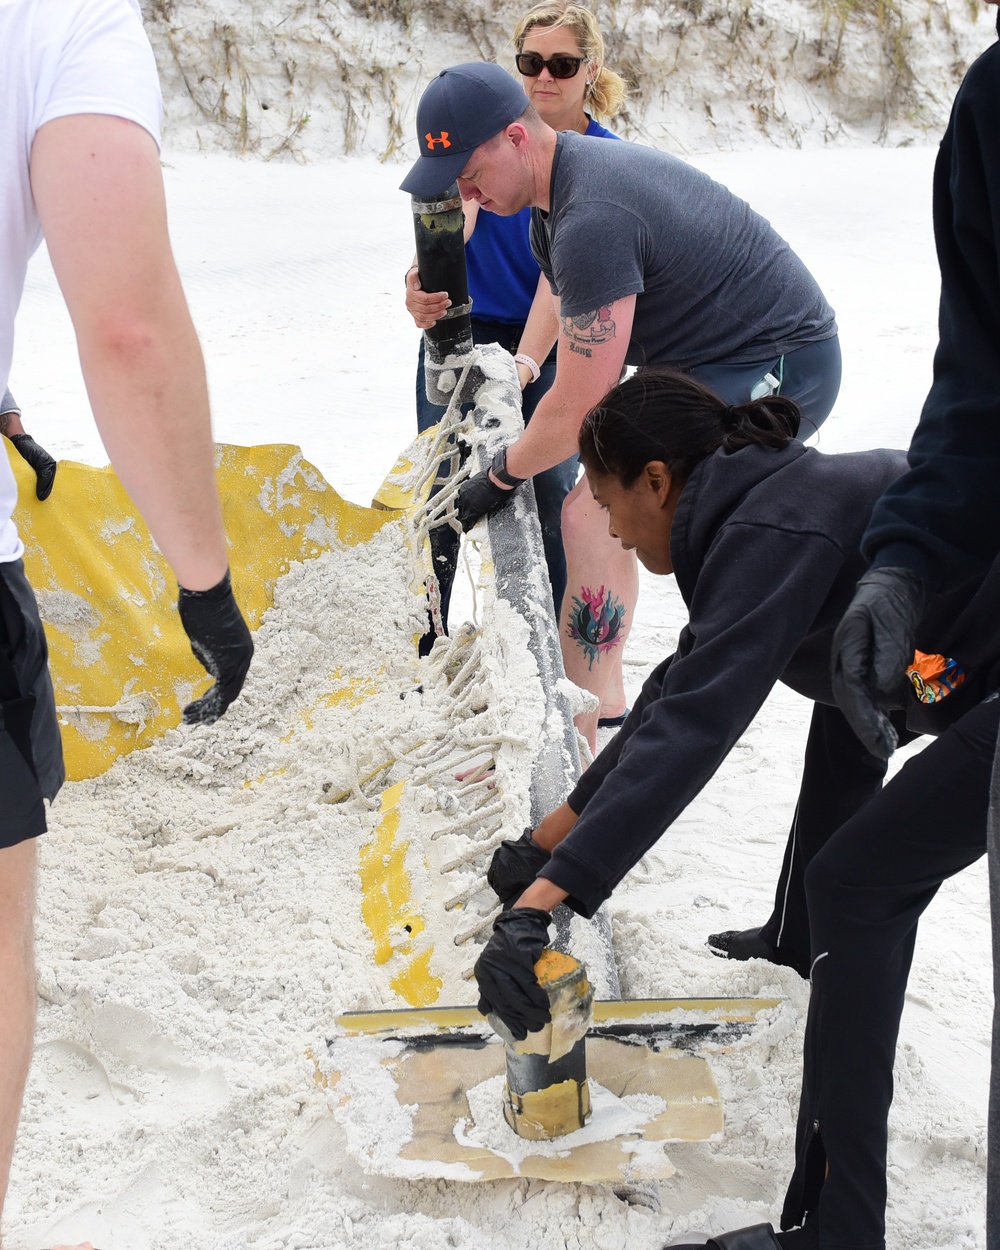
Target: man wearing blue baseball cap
[
  {"x": 463, "y": 107},
  {"x": 650, "y": 262}
]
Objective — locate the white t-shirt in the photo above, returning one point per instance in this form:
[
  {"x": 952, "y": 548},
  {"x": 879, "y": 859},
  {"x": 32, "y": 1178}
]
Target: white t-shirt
[{"x": 58, "y": 58}]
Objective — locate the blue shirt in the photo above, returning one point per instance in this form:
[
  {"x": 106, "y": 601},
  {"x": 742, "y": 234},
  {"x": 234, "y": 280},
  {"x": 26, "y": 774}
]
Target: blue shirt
[{"x": 503, "y": 274}]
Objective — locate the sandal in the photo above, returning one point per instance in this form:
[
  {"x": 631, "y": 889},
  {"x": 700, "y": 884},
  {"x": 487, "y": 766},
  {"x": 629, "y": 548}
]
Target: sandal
[{"x": 613, "y": 722}]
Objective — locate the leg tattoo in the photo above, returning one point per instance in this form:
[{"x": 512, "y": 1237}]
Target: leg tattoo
[{"x": 595, "y": 622}]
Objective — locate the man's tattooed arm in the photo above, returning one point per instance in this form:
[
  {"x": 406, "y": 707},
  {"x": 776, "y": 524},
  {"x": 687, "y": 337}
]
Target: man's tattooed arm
[
  {"x": 586, "y": 330},
  {"x": 4, "y": 422}
]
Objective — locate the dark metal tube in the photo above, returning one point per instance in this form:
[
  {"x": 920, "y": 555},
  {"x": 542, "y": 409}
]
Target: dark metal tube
[
  {"x": 439, "y": 230},
  {"x": 547, "y": 1094}
]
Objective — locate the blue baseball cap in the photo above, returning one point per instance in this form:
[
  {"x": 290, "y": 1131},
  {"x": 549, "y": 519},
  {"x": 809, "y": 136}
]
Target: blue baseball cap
[{"x": 460, "y": 109}]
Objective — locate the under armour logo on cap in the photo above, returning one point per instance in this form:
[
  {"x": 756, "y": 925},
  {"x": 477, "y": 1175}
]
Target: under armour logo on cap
[{"x": 461, "y": 108}]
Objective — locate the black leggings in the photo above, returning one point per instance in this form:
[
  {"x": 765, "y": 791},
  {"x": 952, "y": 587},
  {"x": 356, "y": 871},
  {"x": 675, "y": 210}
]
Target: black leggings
[{"x": 866, "y": 890}]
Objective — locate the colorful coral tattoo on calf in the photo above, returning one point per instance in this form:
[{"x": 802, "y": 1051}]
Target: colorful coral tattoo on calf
[{"x": 595, "y": 622}]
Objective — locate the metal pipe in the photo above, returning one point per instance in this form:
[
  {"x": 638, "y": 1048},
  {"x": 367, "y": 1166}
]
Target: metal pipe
[
  {"x": 547, "y": 1094},
  {"x": 521, "y": 579},
  {"x": 439, "y": 231}
]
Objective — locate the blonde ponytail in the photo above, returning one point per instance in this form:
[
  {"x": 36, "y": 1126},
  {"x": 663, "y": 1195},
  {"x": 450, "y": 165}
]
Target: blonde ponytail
[{"x": 607, "y": 96}]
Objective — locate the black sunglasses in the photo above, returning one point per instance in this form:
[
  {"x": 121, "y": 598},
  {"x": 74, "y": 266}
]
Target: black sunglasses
[{"x": 531, "y": 64}]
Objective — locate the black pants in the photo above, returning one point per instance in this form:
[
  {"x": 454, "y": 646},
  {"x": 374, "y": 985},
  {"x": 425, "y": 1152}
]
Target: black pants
[
  {"x": 838, "y": 777},
  {"x": 31, "y": 764},
  {"x": 866, "y": 890}
]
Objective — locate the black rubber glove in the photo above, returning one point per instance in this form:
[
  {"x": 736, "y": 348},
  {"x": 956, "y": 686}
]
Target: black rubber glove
[
  {"x": 477, "y": 497},
  {"x": 515, "y": 864},
  {"x": 871, "y": 649},
  {"x": 221, "y": 641},
  {"x": 505, "y": 971},
  {"x": 40, "y": 460}
]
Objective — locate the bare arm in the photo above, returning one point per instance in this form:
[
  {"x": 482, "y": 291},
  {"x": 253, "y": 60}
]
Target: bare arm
[
  {"x": 540, "y": 330},
  {"x": 543, "y": 894},
  {"x": 590, "y": 359},
  {"x": 99, "y": 192},
  {"x": 552, "y": 829}
]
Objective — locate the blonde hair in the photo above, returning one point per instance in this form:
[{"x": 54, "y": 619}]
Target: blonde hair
[{"x": 608, "y": 92}]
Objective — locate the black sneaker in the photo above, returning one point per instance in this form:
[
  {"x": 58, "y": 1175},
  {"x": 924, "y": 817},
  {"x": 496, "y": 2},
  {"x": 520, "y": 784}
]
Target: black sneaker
[
  {"x": 748, "y": 944},
  {"x": 741, "y": 944}
]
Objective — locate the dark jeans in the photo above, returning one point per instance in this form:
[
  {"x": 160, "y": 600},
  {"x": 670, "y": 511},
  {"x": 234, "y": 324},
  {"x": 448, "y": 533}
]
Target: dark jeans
[
  {"x": 551, "y": 487},
  {"x": 838, "y": 777},
  {"x": 866, "y": 890},
  {"x": 810, "y": 375}
]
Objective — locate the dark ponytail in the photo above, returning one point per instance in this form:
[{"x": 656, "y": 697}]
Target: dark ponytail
[{"x": 662, "y": 414}]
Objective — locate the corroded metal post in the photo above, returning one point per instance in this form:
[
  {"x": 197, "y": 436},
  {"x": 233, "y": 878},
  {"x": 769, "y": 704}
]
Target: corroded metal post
[
  {"x": 547, "y": 1094},
  {"x": 439, "y": 231}
]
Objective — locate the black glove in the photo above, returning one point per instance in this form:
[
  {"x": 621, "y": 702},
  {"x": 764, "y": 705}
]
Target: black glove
[
  {"x": 40, "y": 461},
  {"x": 505, "y": 971},
  {"x": 515, "y": 864},
  {"x": 871, "y": 649},
  {"x": 478, "y": 497},
  {"x": 221, "y": 641}
]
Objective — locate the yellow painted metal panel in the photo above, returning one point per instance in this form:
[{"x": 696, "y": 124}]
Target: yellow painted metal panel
[
  {"x": 108, "y": 597},
  {"x": 392, "y": 916}
]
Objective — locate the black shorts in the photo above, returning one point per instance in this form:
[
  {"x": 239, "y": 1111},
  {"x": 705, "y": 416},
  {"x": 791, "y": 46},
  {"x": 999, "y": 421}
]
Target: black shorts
[{"x": 31, "y": 763}]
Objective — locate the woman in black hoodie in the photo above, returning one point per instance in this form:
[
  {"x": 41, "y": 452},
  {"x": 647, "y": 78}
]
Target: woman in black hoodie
[{"x": 763, "y": 536}]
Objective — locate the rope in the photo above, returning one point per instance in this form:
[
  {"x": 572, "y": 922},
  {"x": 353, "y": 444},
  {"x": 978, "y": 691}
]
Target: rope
[{"x": 137, "y": 710}]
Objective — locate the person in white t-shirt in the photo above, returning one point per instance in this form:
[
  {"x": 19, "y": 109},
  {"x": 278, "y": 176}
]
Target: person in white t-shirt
[
  {"x": 79, "y": 162},
  {"x": 11, "y": 427}
]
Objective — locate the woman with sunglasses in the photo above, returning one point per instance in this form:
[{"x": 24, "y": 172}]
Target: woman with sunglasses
[{"x": 560, "y": 56}]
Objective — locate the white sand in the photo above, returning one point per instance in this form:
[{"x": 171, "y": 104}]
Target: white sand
[{"x": 188, "y": 963}]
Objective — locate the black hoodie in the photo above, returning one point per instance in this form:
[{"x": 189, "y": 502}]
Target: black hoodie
[
  {"x": 942, "y": 519},
  {"x": 766, "y": 550}
]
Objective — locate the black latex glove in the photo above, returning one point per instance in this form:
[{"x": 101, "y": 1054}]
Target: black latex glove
[
  {"x": 871, "y": 649},
  {"x": 477, "y": 497},
  {"x": 505, "y": 971},
  {"x": 221, "y": 641},
  {"x": 40, "y": 461},
  {"x": 515, "y": 864}
]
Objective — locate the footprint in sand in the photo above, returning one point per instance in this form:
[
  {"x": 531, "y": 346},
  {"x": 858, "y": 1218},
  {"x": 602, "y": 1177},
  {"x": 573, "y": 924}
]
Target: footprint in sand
[{"x": 81, "y": 1083}]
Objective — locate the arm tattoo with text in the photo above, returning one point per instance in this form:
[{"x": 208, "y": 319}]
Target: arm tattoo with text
[{"x": 585, "y": 330}]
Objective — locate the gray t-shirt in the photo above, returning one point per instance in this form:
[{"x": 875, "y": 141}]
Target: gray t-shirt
[{"x": 715, "y": 283}]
